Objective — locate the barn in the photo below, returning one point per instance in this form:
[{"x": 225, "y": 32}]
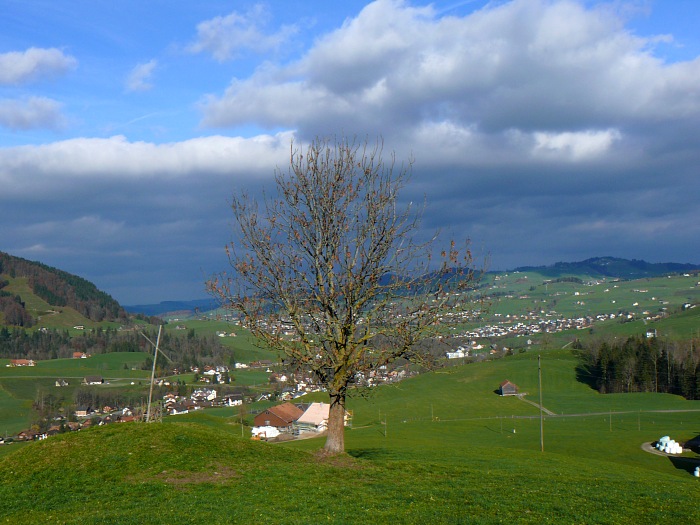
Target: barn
[{"x": 506, "y": 388}]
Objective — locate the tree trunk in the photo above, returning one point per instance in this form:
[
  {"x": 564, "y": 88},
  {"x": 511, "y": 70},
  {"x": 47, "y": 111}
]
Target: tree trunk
[{"x": 335, "y": 440}]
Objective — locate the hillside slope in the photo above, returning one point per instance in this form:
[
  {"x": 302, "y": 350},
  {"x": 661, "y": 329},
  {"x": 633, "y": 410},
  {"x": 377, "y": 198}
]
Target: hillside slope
[
  {"x": 53, "y": 286},
  {"x": 202, "y": 473}
]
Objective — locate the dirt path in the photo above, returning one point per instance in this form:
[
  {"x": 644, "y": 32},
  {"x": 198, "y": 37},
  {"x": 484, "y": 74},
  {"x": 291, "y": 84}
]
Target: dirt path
[{"x": 545, "y": 410}]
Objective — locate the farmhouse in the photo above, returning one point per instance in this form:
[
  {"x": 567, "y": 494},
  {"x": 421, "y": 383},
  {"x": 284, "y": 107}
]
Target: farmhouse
[
  {"x": 93, "y": 380},
  {"x": 21, "y": 362},
  {"x": 508, "y": 389},
  {"x": 281, "y": 416},
  {"x": 315, "y": 418}
]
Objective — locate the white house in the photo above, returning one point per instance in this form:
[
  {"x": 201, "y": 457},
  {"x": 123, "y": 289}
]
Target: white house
[
  {"x": 458, "y": 354},
  {"x": 233, "y": 400}
]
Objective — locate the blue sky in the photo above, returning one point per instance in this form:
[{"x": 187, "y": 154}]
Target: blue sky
[{"x": 544, "y": 130}]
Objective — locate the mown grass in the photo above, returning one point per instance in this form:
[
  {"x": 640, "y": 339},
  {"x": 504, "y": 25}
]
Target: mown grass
[{"x": 115, "y": 364}]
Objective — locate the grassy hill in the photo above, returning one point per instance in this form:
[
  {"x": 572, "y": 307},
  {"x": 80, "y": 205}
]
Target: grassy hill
[
  {"x": 30, "y": 291},
  {"x": 438, "y": 448}
]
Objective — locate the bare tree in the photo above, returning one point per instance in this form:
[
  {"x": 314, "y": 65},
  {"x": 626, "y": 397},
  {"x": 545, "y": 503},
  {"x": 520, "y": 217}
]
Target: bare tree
[{"x": 328, "y": 271}]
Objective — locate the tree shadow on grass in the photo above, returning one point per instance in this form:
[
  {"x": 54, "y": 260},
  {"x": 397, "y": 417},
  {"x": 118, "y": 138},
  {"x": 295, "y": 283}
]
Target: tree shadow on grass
[
  {"x": 372, "y": 454},
  {"x": 684, "y": 463},
  {"x": 585, "y": 375},
  {"x": 693, "y": 444}
]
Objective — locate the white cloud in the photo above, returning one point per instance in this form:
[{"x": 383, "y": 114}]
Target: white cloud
[
  {"x": 575, "y": 145},
  {"x": 139, "y": 79},
  {"x": 531, "y": 65},
  {"x": 226, "y": 37},
  {"x": 30, "y": 113},
  {"x": 19, "y": 67},
  {"x": 60, "y": 167}
]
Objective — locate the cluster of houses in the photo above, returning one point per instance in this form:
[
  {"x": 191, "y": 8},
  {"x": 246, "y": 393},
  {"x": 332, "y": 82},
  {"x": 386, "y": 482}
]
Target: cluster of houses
[
  {"x": 300, "y": 383},
  {"x": 199, "y": 399},
  {"x": 87, "y": 417},
  {"x": 292, "y": 420}
]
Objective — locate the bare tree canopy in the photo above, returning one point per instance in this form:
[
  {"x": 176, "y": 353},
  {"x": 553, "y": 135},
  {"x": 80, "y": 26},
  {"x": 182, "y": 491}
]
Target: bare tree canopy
[{"x": 329, "y": 273}]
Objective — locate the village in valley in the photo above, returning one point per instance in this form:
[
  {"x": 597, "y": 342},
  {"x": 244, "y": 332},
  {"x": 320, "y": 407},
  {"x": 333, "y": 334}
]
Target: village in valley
[{"x": 522, "y": 326}]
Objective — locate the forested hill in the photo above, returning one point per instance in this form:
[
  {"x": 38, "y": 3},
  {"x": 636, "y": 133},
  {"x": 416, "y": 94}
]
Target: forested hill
[
  {"x": 56, "y": 287},
  {"x": 611, "y": 267}
]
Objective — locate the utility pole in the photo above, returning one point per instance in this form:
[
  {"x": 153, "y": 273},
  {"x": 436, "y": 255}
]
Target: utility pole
[
  {"x": 153, "y": 371},
  {"x": 539, "y": 374}
]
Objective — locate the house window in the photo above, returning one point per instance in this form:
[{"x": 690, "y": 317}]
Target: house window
[{"x": 267, "y": 422}]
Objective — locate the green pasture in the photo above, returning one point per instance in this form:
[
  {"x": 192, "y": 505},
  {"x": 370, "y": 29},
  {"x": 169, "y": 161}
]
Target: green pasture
[
  {"x": 15, "y": 412},
  {"x": 438, "y": 448},
  {"x": 244, "y": 347},
  {"x": 252, "y": 377},
  {"x": 115, "y": 364}
]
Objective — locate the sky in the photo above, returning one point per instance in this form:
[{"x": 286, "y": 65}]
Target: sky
[{"x": 542, "y": 130}]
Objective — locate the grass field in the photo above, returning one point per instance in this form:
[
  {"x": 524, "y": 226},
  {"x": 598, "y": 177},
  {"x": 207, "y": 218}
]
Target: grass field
[
  {"x": 245, "y": 349},
  {"x": 101, "y": 364},
  {"x": 438, "y": 448}
]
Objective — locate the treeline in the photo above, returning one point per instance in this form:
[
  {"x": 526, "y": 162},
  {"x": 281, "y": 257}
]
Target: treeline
[
  {"x": 60, "y": 289},
  {"x": 640, "y": 364},
  {"x": 184, "y": 350},
  {"x": 12, "y": 309},
  {"x": 575, "y": 280}
]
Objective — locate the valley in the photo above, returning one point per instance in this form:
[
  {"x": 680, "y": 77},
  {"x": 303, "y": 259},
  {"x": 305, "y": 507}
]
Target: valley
[{"x": 437, "y": 446}]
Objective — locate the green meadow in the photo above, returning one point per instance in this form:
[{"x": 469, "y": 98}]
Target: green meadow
[
  {"x": 438, "y": 448},
  {"x": 20, "y": 386},
  {"x": 243, "y": 347}
]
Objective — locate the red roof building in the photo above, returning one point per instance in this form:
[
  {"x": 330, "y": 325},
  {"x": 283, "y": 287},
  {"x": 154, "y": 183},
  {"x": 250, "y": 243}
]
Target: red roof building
[{"x": 281, "y": 416}]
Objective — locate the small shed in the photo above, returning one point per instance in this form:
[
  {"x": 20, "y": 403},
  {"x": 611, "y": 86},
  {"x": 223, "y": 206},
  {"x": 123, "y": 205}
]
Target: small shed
[{"x": 508, "y": 389}]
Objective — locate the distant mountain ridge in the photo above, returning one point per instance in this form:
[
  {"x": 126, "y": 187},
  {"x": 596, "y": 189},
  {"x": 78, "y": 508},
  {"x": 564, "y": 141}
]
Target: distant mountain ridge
[
  {"x": 59, "y": 288},
  {"x": 166, "y": 307},
  {"x": 611, "y": 267}
]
